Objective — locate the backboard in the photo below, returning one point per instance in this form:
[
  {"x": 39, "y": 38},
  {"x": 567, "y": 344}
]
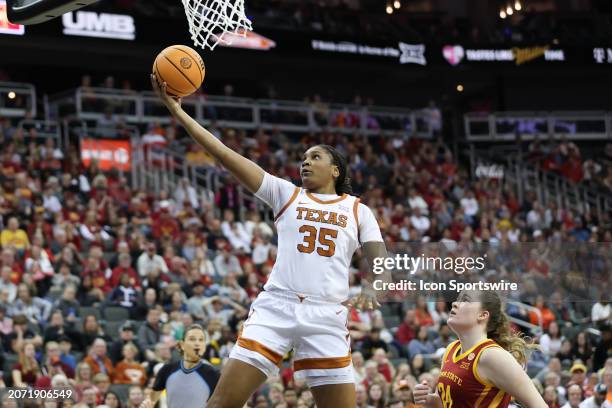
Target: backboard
[{"x": 28, "y": 12}]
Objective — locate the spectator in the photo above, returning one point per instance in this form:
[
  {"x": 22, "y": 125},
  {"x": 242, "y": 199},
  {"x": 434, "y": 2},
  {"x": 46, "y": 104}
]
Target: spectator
[
  {"x": 225, "y": 262},
  {"x": 135, "y": 397},
  {"x": 550, "y": 342},
  {"x": 98, "y": 360},
  {"x": 102, "y": 383},
  {"x": 65, "y": 345},
  {"x": 112, "y": 400},
  {"x": 67, "y": 304},
  {"x": 57, "y": 328},
  {"x": 53, "y": 364},
  {"x": 421, "y": 344},
  {"x": 8, "y": 260},
  {"x": 89, "y": 398},
  {"x": 149, "y": 332},
  {"x": 361, "y": 397},
  {"x": 6, "y": 285},
  {"x": 550, "y": 397},
  {"x": 598, "y": 400},
  {"x": 151, "y": 261},
  {"x": 21, "y": 333},
  {"x": 90, "y": 331},
  {"x": 36, "y": 309},
  {"x": 601, "y": 312},
  {"x": 125, "y": 295},
  {"x": 83, "y": 379},
  {"x": 126, "y": 336},
  {"x": 128, "y": 370},
  {"x": 422, "y": 315},
  {"x": 574, "y": 396},
  {"x": 216, "y": 309},
  {"x": 13, "y": 236},
  {"x": 125, "y": 266},
  {"x": 27, "y": 371}
]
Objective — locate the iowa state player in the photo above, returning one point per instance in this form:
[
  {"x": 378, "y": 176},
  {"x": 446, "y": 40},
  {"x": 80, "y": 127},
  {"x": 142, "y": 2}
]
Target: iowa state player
[
  {"x": 484, "y": 367},
  {"x": 319, "y": 228}
]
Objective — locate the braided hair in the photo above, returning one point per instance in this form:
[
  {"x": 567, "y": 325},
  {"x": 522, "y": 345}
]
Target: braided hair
[{"x": 343, "y": 182}]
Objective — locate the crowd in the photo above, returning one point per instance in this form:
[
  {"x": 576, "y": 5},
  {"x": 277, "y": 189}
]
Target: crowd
[
  {"x": 98, "y": 280},
  {"x": 566, "y": 158}
]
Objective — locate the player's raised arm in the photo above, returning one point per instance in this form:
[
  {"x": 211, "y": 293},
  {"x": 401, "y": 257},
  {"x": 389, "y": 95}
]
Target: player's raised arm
[
  {"x": 501, "y": 368},
  {"x": 248, "y": 173}
]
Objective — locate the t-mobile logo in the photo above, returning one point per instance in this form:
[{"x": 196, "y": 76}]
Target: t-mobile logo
[{"x": 602, "y": 55}]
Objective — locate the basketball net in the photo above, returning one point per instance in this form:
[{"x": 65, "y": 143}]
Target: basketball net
[{"x": 210, "y": 20}]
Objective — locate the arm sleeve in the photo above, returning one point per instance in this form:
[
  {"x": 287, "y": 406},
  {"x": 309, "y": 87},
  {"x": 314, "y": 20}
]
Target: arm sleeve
[
  {"x": 211, "y": 376},
  {"x": 160, "y": 379},
  {"x": 275, "y": 192},
  {"x": 369, "y": 231}
]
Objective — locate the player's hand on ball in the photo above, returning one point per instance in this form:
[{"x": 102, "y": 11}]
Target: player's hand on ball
[
  {"x": 424, "y": 397},
  {"x": 173, "y": 104}
]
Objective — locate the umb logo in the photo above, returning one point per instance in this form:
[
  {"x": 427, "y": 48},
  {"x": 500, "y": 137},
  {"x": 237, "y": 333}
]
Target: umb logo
[
  {"x": 6, "y": 27},
  {"x": 102, "y": 25}
]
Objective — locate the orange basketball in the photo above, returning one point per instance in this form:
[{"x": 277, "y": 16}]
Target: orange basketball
[{"x": 181, "y": 68}]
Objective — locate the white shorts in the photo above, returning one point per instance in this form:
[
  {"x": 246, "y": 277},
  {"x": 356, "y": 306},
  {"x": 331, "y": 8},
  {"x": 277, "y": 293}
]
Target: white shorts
[{"x": 315, "y": 330}]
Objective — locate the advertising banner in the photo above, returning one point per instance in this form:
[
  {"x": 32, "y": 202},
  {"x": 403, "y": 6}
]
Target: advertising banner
[{"x": 110, "y": 154}]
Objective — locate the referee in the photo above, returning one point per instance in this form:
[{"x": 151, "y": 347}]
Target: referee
[{"x": 190, "y": 381}]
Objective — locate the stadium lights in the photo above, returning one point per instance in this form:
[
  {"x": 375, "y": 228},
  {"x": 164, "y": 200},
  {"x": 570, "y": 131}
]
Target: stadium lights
[
  {"x": 397, "y": 4},
  {"x": 389, "y": 9},
  {"x": 12, "y": 95},
  {"x": 459, "y": 88},
  {"x": 502, "y": 14},
  {"x": 518, "y": 6},
  {"x": 509, "y": 11}
]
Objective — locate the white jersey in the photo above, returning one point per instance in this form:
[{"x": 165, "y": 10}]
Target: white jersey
[{"x": 317, "y": 236}]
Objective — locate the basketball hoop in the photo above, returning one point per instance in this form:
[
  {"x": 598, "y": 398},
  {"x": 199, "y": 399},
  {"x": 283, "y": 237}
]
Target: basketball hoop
[{"x": 210, "y": 20}]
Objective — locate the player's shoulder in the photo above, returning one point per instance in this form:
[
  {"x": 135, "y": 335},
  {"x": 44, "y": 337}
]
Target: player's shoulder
[{"x": 493, "y": 354}]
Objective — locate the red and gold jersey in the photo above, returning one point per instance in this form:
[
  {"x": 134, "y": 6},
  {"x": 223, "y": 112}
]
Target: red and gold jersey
[{"x": 459, "y": 384}]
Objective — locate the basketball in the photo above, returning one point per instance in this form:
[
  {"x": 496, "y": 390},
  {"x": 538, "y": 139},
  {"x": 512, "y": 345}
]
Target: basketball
[{"x": 181, "y": 68}]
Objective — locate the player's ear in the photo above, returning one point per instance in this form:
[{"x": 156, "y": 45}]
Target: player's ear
[
  {"x": 335, "y": 171},
  {"x": 484, "y": 315}
]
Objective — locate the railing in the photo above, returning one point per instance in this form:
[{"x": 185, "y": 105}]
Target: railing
[
  {"x": 42, "y": 129},
  {"x": 548, "y": 186},
  {"x": 551, "y": 187},
  {"x": 504, "y": 126},
  {"x": 17, "y": 99},
  {"x": 243, "y": 113},
  {"x": 157, "y": 168},
  {"x": 533, "y": 328}
]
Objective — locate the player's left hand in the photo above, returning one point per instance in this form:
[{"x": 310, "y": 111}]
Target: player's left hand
[{"x": 366, "y": 300}]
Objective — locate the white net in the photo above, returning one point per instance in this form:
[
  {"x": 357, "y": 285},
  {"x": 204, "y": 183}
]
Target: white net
[{"x": 210, "y": 20}]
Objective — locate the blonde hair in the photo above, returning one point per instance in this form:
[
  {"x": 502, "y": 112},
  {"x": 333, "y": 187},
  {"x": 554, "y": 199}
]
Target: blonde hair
[
  {"x": 498, "y": 328},
  {"x": 27, "y": 364}
]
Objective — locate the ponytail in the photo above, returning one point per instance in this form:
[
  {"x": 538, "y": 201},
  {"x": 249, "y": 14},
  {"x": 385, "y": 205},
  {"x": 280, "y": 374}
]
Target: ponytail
[
  {"x": 498, "y": 328},
  {"x": 343, "y": 182}
]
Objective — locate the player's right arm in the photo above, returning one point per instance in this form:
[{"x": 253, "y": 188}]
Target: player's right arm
[
  {"x": 501, "y": 368},
  {"x": 248, "y": 173}
]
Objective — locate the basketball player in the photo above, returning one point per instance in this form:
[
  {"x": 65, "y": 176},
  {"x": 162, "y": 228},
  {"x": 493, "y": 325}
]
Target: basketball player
[
  {"x": 190, "y": 381},
  {"x": 319, "y": 228},
  {"x": 484, "y": 367}
]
